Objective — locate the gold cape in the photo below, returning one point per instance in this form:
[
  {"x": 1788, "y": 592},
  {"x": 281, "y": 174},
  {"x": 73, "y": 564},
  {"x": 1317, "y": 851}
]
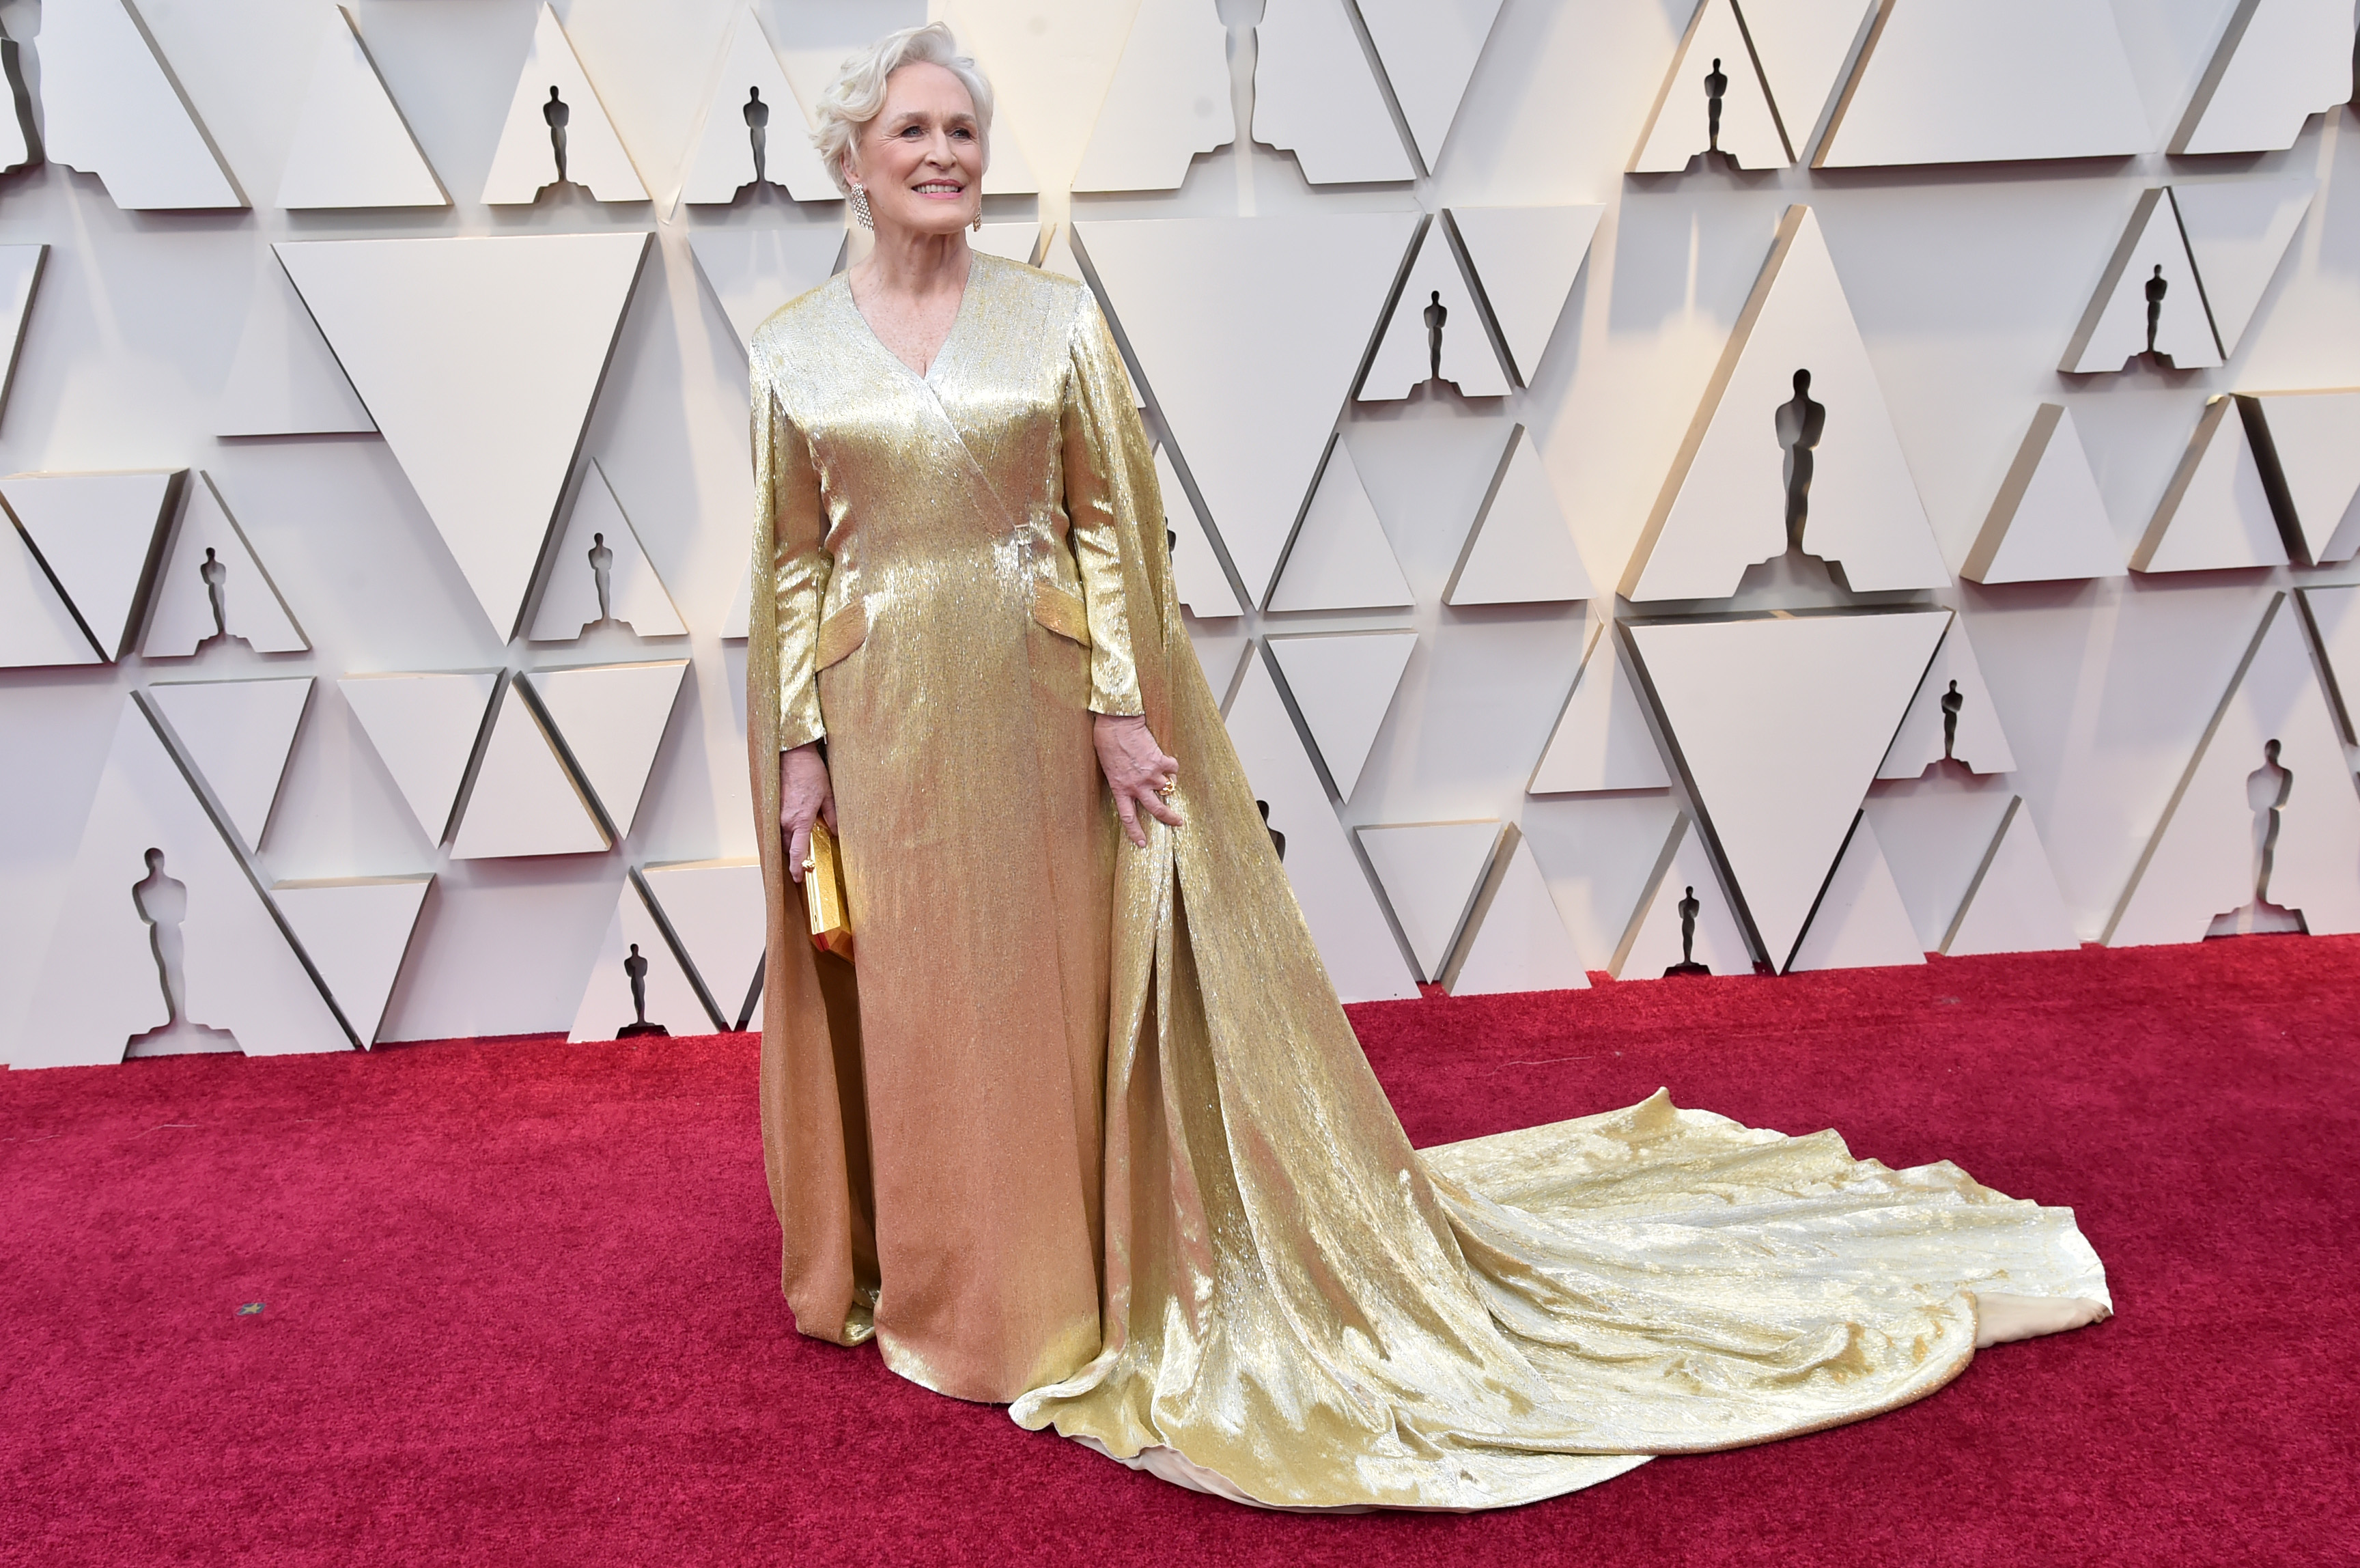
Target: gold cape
[{"x": 1088, "y": 1132}]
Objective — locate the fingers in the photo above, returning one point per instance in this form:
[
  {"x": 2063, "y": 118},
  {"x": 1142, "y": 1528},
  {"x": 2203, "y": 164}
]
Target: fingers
[
  {"x": 804, "y": 796},
  {"x": 1163, "y": 773},
  {"x": 1130, "y": 828},
  {"x": 798, "y": 850},
  {"x": 1156, "y": 773}
]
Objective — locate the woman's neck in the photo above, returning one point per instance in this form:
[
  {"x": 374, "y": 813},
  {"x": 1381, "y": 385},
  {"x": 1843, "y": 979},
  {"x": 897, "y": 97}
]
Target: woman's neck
[{"x": 908, "y": 265}]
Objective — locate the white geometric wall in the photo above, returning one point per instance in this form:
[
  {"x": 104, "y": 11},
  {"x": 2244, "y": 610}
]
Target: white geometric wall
[{"x": 1952, "y": 200}]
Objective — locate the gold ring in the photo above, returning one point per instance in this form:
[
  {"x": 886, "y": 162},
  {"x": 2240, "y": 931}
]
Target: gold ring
[{"x": 1166, "y": 787}]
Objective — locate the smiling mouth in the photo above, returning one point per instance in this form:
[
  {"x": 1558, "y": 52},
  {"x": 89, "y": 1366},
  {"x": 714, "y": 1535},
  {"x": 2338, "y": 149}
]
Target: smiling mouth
[{"x": 940, "y": 189}]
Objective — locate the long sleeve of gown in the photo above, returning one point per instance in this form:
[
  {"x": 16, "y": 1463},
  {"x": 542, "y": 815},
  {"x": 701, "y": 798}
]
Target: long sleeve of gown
[
  {"x": 1108, "y": 476},
  {"x": 787, "y": 483}
]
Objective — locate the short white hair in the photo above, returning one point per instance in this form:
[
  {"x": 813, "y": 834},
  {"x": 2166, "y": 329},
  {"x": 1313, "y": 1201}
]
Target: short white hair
[{"x": 857, "y": 94}]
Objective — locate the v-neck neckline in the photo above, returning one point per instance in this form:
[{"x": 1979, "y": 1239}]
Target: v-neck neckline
[{"x": 942, "y": 350}]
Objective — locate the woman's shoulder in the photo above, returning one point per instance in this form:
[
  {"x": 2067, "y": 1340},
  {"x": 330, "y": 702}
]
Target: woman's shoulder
[
  {"x": 808, "y": 313},
  {"x": 1051, "y": 294}
]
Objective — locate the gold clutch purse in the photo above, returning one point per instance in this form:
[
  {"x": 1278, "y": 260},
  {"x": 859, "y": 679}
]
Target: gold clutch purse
[{"x": 831, "y": 916}]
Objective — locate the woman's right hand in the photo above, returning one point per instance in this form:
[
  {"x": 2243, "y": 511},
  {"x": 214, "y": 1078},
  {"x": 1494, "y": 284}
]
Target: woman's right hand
[{"x": 805, "y": 797}]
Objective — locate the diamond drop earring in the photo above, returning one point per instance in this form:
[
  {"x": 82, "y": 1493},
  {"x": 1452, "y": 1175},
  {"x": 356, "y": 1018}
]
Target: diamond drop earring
[
  {"x": 861, "y": 212},
  {"x": 979, "y": 220}
]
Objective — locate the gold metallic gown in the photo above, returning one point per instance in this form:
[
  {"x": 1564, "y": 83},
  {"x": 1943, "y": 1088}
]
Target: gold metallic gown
[{"x": 1086, "y": 1132}]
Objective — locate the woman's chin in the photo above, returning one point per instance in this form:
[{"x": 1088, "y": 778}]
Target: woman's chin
[{"x": 946, "y": 220}]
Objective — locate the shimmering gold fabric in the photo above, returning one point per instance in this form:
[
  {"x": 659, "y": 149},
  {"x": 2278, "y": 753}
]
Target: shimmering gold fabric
[{"x": 1132, "y": 1173}]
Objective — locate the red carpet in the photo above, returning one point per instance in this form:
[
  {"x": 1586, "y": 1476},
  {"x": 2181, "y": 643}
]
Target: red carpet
[{"x": 519, "y": 1304}]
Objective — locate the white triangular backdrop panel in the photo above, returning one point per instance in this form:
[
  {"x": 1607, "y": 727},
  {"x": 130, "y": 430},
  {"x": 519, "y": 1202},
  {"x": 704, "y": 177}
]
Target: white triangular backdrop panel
[
  {"x": 522, "y": 800},
  {"x": 239, "y": 735},
  {"x": 2150, "y": 268},
  {"x": 1203, "y": 589},
  {"x": 715, "y": 908},
  {"x": 1343, "y": 684},
  {"x": 2048, "y": 522},
  {"x": 181, "y": 602},
  {"x": 1977, "y": 741},
  {"x": 1296, "y": 298},
  {"x": 2238, "y": 231},
  {"x": 1723, "y": 506},
  {"x": 2013, "y": 905},
  {"x": 1804, "y": 46},
  {"x": 1519, "y": 940},
  {"x": 352, "y": 147},
  {"x": 1602, "y": 741},
  {"x": 285, "y": 380},
  {"x": 1431, "y": 872},
  {"x": 2316, "y": 436},
  {"x": 1313, "y": 96},
  {"x": 111, "y": 108},
  {"x": 612, "y": 719},
  {"x": 1429, "y": 48},
  {"x": 525, "y": 162},
  {"x": 2215, "y": 514},
  {"x": 721, "y": 159},
  {"x": 1169, "y": 101},
  {"x": 2203, "y": 858},
  {"x": 424, "y": 728},
  {"x": 636, "y": 596},
  {"x": 101, "y": 986},
  {"x": 1338, "y": 906},
  {"x": 356, "y": 931},
  {"x": 1521, "y": 549},
  {"x": 1934, "y": 839},
  {"x": 1990, "y": 81},
  {"x": 1405, "y": 354},
  {"x": 1339, "y": 557},
  {"x": 2278, "y": 63},
  {"x": 36, "y": 626},
  {"x": 752, "y": 272},
  {"x": 479, "y": 358},
  {"x": 1860, "y": 922},
  {"x": 2335, "y": 612},
  {"x": 20, "y": 270},
  {"x": 1651, "y": 942},
  {"x": 1680, "y": 128},
  {"x": 1781, "y": 724},
  {"x": 95, "y": 533},
  {"x": 1527, "y": 259}
]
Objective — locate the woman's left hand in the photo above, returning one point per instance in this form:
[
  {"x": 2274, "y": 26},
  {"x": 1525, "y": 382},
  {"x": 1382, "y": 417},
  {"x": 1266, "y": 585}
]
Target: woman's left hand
[{"x": 1137, "y": 771}]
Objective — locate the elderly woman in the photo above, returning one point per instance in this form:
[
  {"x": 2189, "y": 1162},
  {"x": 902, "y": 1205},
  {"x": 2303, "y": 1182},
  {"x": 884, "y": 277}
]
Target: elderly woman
[{"x": 1085, "y": 1131}]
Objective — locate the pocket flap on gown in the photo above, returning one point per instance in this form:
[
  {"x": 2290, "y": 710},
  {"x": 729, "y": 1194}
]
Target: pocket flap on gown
[
  {"x": 842, "y": 632},
  {"x": 1061, "y": 611}
]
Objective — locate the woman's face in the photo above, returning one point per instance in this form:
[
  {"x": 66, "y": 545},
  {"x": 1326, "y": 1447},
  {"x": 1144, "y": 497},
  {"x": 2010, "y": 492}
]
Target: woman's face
[{"x": 922, "y": 157}]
